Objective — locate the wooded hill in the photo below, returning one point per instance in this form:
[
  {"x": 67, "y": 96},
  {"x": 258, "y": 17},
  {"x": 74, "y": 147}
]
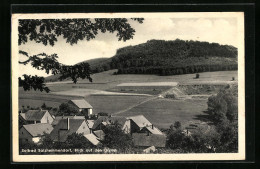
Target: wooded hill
[
  {"x": 169, "y": 58},
  {"x": 174, "y": 57}
]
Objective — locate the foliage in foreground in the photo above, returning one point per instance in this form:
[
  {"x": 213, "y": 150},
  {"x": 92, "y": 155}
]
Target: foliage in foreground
[{"x": 47, "y": 31}]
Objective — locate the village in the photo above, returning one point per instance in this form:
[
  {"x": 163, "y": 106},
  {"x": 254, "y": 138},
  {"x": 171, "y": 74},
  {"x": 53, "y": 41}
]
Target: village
[{"x": 38, "y": 123}]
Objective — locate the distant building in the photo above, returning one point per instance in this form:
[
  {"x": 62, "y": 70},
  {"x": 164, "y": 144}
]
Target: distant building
[
  {"x": 36, "y": 116},
  {"x": 82, "y": 106},
  {"x": 34, "y": 132},
  {"x": 66, "y": 127}
]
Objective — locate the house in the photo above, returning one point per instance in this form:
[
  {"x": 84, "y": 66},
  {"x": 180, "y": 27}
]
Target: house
[
  {"x": 82, "y": 106},
  {"x": 66, "y": 127},
  {"x": 143, "y": 140},
  {"x": 58, "y": 118},
  {"x": 103, "y": 121},
  {"x": 100, "y": 123},
  {"x": 123, "y": 121},
  {"x": 34, "y": 132},
  {"x": 139, "y": 124},
  {"x": 36, "y": 116}
]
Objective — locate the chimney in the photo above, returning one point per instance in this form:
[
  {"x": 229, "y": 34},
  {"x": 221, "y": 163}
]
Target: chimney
[
  {"x": 152, "y": 126},
  {"x": 68, "y": 123}
]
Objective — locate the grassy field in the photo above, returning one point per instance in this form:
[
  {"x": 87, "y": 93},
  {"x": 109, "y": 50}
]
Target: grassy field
[
  {"x": 37, "y": 98},
  {"x": 106, "y": 80},
  {"x": 111, "y": 104},
  {"x": 164, "y": 112},
  {"x": 160, "y": 111}
]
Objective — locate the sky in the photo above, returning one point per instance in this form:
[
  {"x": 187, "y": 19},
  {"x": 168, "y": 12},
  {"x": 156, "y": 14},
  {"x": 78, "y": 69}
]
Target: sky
[{"x": 219, "y": 30}]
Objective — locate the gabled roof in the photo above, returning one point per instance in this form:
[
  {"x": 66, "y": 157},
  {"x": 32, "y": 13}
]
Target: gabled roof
[
  {"x": 142, "y": 140},
  {"x": 105, "y": 120},
  {"x": 154, "y": 130},
  {"x": 99, "y": 121},
  {"x": 100, "y": 134},
  {"x": 58, "y": 118},
  {"x": 74, "y": 125},
  {"x": 92, "y": 138},
  {"x": 140, "y": 120},
  {"x": 33, "y": 115},
  {"x": 38, "y": 129},
  {"x": 82, "y": 104}
]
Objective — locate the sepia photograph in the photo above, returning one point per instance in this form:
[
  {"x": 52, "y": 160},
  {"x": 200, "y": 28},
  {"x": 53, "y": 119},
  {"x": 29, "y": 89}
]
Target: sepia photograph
[{"x": 128, "y": 86}]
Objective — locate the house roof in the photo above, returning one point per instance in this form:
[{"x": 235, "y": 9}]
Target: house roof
[
  {"x": 154, "y": 130},
  {"x": 92, "y": 138},
  {"x": 99, "y": 121},
  {"x": 105, "y": 120},
  {"x": 82, "y": 104},
  {"x": 38, "y": 129},
  {"x": 58, "y": 118},
  {"x": 33, "y": 115},
  {"x": 142, "y": 140},
  {"x": 74, "y": 125},
  {"x": 140, "y": 120},
  {"x": 100, "y": 134}
]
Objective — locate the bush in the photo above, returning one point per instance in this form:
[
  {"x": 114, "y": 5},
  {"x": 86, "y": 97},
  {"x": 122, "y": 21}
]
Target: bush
[
  {"x": 197, "y": 76},
  {"x": 116, "y": 138},
  {"x": 67, "y": 110},
  {"x": 223, "y": 106}
]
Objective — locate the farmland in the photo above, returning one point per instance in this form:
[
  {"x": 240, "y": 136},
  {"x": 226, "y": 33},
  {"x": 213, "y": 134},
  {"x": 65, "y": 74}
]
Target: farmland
[{"x": 110, "y": 93}]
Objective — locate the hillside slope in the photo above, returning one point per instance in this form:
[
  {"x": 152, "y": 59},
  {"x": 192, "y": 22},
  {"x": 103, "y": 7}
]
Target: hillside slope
[{"x": 167, "y": 58}]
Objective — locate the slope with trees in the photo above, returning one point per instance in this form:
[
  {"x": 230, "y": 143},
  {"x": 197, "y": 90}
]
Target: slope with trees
[{"x": 174, "y": 57}]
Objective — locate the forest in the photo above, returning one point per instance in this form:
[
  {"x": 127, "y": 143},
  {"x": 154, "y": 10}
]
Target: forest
[{"x": 171, "y": 57}]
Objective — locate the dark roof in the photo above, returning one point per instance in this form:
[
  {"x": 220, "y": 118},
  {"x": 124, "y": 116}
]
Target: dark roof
[
  {"x": 109, "y": 120},
  {"x": 119, "y": 119},
  {"x": 140, "y": 120},
  {"x": 74, "y": 125},
  {"x": 99, "y": 121},
  {"x": 142, "y": 140},
  {"x": 38, "y": 129},
  {"x": 58, "y": 118},
  {"x": 34, "y": 115},
  {"x": 82, "y": 104},
  {"x": 100, "y": 134}
]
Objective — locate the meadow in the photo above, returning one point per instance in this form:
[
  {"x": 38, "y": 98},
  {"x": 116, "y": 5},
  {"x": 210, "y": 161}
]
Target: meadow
[{"x": 106, "y": 94}]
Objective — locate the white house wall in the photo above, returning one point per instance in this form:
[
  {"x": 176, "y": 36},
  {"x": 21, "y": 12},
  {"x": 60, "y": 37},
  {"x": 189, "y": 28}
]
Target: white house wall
[
  {"x": 47, "y": 118},
  {"x": 83, "y": 129}
]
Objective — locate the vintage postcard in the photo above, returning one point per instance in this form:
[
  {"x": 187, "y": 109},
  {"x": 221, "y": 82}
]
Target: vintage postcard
[{"x": 128, "y": 86}]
